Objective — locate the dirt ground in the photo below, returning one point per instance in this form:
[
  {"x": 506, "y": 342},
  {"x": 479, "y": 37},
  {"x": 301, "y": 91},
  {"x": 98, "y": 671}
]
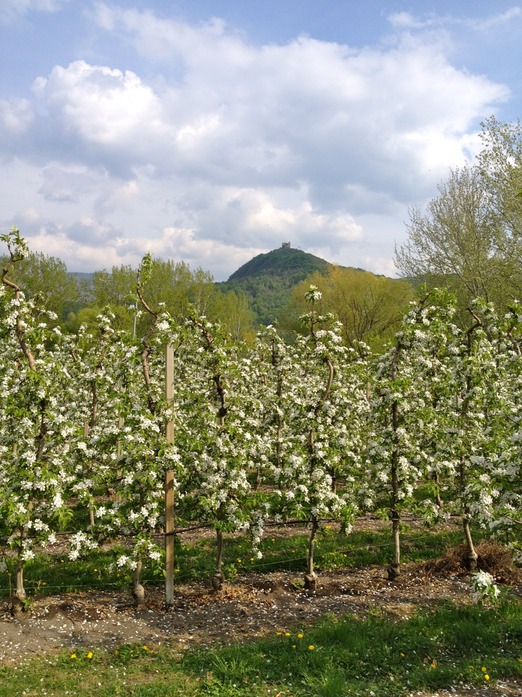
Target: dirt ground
[{"x": 253, "y": 606}]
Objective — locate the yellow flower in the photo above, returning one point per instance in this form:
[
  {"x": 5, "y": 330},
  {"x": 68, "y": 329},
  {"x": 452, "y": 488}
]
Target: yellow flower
[
  {"x": 287, "y": 634},
  {"x": 145, "y": 648},
  {"x": 486, "y": 676},
  {"x": 299, "y": 636},
  {"x": 89, "y": 655},
  {"x": 311, "y": 647},
  {"x": 73, "y": 655}
]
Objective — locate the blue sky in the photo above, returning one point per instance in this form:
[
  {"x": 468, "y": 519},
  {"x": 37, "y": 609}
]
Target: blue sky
[{"x": 211, "y": 131}]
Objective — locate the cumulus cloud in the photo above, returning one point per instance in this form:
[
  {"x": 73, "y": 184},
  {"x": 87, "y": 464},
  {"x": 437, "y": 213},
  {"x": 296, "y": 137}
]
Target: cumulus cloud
[
  {"x": 495, "y": 21},
  {"x": 221, "y": 148},
  {"x": 67, "y": 185},
  {"x": 15, "y": 116},
  {"x": 11, "y": 9},
  {"x": 408, "y": 21}
]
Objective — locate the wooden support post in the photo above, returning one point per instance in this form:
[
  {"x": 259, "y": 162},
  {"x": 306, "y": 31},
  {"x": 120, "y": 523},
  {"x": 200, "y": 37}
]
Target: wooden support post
[{"x": 169, "y": 485}]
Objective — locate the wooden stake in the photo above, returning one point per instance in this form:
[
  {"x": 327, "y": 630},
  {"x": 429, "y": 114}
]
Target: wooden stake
[{"x": 169, "y": 485}]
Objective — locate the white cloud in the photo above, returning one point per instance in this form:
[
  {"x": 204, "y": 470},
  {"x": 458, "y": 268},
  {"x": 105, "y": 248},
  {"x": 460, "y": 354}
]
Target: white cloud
[
  {"x": 405, "y": 21},
  {"x": 16, "y": 116},
  {"x": 219, "y": 149},
  {"x": 433, "y": 21},
  {"x": 11, "y": 9},
  {"x": 495, "y": 21},
  {"x": 102, "y": 108}
]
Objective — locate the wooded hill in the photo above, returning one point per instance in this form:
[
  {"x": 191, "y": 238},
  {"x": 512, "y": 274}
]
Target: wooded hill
[{"x": 267, "y": 280}]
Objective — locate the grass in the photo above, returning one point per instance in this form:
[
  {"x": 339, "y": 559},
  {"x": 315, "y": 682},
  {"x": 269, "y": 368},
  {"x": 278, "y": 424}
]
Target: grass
[
  {"x": 56, "y": 573},
  {"x": 48, "y": 574},
  {"x": 375, "y": 656},
  {"x": 333, "y": 551}
]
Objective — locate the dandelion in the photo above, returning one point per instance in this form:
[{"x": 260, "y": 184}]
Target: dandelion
[
  {"x": 288, "y": 634},
  {"x": 300, "y": 636},
  {"x": 72, "y": 656},
  {"x": 311, "y": 647},
  {"x": 89, "y": 655},
  {"x": 484, "y": 670},
  {"x": 486, "y": 677}
]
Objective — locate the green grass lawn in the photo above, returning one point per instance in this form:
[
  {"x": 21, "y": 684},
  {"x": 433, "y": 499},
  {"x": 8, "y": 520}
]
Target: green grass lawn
[
  {"x": 377, "y": 655},
  {"x": 373, "y": 656}
]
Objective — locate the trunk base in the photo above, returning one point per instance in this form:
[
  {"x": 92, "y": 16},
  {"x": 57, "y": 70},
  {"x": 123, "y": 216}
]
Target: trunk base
[
  {"x": 217, "y": 582},
  {"x": 470, "y": 561},
  {"x": 310, "y": 582},
  {"x": 394, "y": 571},
  {"x": 17, "y": 606},
  {"x": 138, "y": 593}
]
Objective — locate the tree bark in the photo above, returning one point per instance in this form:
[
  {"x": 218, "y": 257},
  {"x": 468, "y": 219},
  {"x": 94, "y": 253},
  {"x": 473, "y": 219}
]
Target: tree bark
[
  {"x": 218, "y": 579},
  {"x": 471, "y": 554},
  {"x": 394, "y": 569},
  {"x": 310, "y": 579},
  {"x": 138, "y": 591}
]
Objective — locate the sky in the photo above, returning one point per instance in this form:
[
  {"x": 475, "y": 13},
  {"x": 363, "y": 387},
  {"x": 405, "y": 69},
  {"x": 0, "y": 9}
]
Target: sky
[{"x": 210, "y": 131}]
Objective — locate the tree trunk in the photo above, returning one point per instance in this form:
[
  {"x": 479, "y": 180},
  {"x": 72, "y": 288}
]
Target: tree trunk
[
  {"x": 20, "y": 589},
  {"x": 138, "y": 591},
  {"x": 471, "y": 557},
  {"x": 438, "y": 498},
  {"x": 218, "y": 579},
  {"x": 394, "y": 569},
  {"x": 310, "y": 579},
  {"x": 18, "y": 604}
]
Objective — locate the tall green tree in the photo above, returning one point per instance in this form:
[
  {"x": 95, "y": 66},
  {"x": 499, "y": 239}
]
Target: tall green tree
[
  {"x": 233, "y": 310},
  {"x": 171, "y": 285},
  {"x": 500, "y": 164},
  {"x": 45, "y": 280},
  {"x": 470, "y": 236},
  {"x": 454, "y": 241},
  {"x": 369, "y": 307}
]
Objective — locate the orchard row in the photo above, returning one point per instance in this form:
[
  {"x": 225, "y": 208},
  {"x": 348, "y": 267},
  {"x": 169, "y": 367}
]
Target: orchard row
[{"x": 276, "y": 430}]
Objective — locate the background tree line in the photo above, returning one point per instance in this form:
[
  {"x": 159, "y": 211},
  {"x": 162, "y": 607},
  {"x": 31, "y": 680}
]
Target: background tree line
[{"x": 370, "y": 307}]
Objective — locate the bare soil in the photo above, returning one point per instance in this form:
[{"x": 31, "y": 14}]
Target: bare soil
[{"x": 252, "y": 606}]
